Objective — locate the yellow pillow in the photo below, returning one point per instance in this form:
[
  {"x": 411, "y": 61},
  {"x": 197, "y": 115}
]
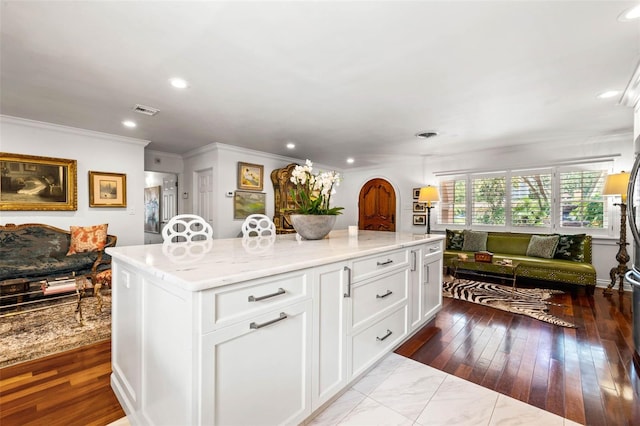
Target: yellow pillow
[{"x": 87, "y": 238}]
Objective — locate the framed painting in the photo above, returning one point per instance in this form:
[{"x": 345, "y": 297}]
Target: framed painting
[
  {"x": 37, "y": 183},
  {"x": 250, "y": 176},
  {"x": 107, "y": 189},
  {"x": 246, "y": 203},
  {"x": 152, "y": 207},
  {"x": 416, "y": 193},
  {"x": 419, "y": 219},
  {"x": 419, "y": 207}
]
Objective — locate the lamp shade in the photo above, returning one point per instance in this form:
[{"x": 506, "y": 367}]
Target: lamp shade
[
  {"x": 616, "y": 184},
  {"x": 428, "y": 194}
]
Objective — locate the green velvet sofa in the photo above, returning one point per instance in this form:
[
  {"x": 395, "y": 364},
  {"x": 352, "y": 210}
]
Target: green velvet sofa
[{"x": 570, "y": 264}]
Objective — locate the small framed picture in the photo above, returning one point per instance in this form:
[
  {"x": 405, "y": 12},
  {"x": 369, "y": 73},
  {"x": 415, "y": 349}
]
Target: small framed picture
[
  {"x": 418, "y": 207},
  {"x": 416, "y": 193},
  {"x": 246, "y": 203},
  {"x": 250, "y": 176},
  {"x": 419, "y": 219},
  {"x": 107, "y": 189}
]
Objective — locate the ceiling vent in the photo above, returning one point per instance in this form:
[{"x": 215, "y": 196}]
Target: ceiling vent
[
  {"x": 426, "y": 135},
  {"x": 146, "y": 110}
]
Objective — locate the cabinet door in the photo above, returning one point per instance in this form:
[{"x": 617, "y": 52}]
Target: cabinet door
[
  {"x": 416, "y": 288},
  {"x": 126, "y": 336},
  {"x": 329, "y": 374},
  {"x": 432, "y": 291},
  {"x": 258, "y": 372}
]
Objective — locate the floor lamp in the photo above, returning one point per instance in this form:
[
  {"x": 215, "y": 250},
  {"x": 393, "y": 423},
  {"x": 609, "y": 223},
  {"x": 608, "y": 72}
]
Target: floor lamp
[
  {"x": 616, "y": 184},
  {"x": 428, "y": 194}
]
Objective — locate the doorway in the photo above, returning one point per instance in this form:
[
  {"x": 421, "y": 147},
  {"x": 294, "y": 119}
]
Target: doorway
[
  {"x": 377, "y": 206},
  {"x": 168, "y": 200}
]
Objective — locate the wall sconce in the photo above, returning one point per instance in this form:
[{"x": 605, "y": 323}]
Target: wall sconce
[
  {"x": 614, "y": 185},
  {"x": 428, "y": 194}
]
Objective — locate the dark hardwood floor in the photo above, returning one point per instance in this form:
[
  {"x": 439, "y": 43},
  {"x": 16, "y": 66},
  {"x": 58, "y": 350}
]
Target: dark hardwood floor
[{"x": 585, "y": 374}]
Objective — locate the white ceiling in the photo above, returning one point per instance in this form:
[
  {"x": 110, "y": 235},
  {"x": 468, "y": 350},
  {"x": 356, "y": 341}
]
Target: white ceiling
[{"x": 338, "y": 79}]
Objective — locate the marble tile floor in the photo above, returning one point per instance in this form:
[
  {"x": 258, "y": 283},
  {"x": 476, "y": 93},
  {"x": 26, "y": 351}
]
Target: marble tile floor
[{"x": 400, "y": 391}]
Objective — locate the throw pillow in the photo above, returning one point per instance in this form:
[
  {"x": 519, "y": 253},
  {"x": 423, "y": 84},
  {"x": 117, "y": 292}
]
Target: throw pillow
[
  {"x": 474, "y": 241},
  {"x": 455, "y": 239},
  {"x": 542, "y": 246},
  {"x": 571, "y": 247},
  {"x": 87, "y": 238}
]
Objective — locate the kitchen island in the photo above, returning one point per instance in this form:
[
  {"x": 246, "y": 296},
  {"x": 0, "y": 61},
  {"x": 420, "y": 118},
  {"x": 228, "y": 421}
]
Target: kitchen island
[{"x": 262, "y": 331}]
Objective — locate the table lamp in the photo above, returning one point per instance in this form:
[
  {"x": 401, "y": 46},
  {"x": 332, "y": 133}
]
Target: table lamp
[
  {"x": 614, "y": 185},
  {"x": 428, "y": 194}
]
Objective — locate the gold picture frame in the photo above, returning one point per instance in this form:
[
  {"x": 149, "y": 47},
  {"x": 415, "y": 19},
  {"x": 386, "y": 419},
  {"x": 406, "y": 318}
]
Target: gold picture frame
[
  {"x": 250, "y": 176},
  {"x": 32, "y": 182},
  {"x": 107, "y": 189}
]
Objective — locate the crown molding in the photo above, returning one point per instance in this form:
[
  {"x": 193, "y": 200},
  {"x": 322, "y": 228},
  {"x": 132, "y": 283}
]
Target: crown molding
[
  {"x": 71, "y": 130},
  {"x": 631, "y": 93}
]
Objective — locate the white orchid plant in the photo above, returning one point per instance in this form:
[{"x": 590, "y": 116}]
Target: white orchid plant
[{"x": 312, "y": 193}]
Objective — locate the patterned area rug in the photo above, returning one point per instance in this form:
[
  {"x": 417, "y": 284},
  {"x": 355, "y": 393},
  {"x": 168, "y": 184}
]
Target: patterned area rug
[
  {"x": 31, "y": 335},
  {"x": 531, "y": 302}
]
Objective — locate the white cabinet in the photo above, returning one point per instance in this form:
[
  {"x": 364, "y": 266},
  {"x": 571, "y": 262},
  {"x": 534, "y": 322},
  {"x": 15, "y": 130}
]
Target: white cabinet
[
  {"x": 426, "y": 283},
  {"x": 432, "y": 287},
  {"x": 267, "y": 350},
  {"x": 416, "y": 287},
  {"x": 329, "y": 353},
  {"x": 256, "y": 372}
]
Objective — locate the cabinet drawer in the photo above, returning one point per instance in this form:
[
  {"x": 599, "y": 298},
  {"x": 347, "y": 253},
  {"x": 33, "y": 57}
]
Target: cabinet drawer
[
  {"x": 226, "y": 305},
  {"x": 378, "y": 339},
  {"x": 373, "y": 265},
  {"x": 432, "y": 248},
  {"x": 378, "y": 295}
]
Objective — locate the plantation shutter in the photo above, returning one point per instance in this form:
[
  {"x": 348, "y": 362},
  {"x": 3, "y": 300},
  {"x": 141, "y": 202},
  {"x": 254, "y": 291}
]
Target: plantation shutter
[
  {"x": 453, "y": 201},
  {"x": 531, "y": 200},
  {"x": 581, "y": 201},
  {"x": 488, "y": 200}
]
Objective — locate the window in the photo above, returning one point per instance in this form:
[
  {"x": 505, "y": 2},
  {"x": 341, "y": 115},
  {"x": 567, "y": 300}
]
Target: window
[
  {"x": 488, "y": 200},
  {"x": 453, "y": 201},
  {"x": 531, "y": 200},
  {"x": 581, "y": 201},
  {"x": 544, "y": 200}
]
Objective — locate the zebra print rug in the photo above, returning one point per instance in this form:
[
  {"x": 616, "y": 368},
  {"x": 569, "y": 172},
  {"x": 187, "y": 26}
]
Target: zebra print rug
[{"x": 526, "y": 301}]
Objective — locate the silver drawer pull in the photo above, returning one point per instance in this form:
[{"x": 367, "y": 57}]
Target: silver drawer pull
[
  {"x": 388, "y": 293},
  {"x": 432, "y": 249},
  {"x": 256, "y": 326},
  {"x": 385, "y": 263},
  {"x": 380, "y": 339},
  {"x": 266, "y": 296}
]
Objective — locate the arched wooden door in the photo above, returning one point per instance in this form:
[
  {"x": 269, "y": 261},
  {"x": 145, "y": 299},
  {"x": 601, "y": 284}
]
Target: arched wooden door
[{"x": 377, "y": 206}]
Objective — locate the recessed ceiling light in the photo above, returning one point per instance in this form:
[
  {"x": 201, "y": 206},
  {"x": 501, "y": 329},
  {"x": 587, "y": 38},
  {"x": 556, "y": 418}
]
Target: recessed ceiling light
[
  {"x": 350, "y": 160},
  {"x": 291, "y": 145},
  {"x": 608, "y": 94},
  {"x": 426, "y": 135},
  {"x": 179, "y": 83},
  {"x": 630, "y": 14},
  {"x": 129, "y": 123}
]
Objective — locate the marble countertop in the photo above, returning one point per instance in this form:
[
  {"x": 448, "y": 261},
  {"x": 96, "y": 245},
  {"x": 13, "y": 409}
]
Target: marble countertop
[{"x": 207, "y": 264}]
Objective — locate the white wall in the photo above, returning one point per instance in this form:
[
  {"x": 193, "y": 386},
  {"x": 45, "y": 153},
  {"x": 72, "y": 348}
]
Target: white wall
[
  {"x": 223, "y": 160},
  {"x": 93, "y": 151}
]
